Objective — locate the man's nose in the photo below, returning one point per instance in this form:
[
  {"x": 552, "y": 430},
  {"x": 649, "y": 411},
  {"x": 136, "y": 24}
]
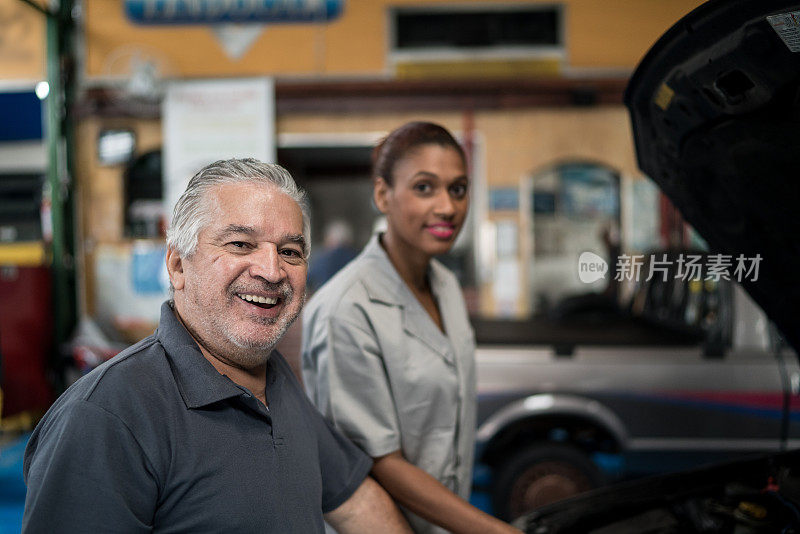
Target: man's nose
[{"x": 266, "y": 263}]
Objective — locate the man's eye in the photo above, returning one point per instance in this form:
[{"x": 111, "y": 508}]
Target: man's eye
[
  {"x": 239, "y": 244},
  {"x": 292, "y": 253}
]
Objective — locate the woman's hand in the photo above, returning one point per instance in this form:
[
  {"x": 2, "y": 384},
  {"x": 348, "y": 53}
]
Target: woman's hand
[{"x": 418, "y": 491}]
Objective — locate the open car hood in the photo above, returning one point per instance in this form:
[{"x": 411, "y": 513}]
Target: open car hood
[
  {"x": 705, "y": 500},
  {"x": 715, "y": 109}
]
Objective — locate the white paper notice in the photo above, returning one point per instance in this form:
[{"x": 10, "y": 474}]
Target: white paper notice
[
  {"x": 507, "y": 236},
  {"x": 208, "y": 120},
  {"x": 506, "y": 290}
]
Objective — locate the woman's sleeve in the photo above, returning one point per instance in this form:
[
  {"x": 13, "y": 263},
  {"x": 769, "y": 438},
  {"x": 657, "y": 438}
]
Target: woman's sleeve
[{"x": 352, "y": 388}]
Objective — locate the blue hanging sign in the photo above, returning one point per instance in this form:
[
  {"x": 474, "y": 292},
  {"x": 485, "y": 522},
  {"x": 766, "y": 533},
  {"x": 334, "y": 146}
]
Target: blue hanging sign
[
  {"x": 22, "y": 116},
  {"x": 231, "y": 11}
]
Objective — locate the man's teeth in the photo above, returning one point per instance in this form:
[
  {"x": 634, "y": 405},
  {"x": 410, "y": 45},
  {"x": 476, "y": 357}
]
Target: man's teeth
[{"x": 260, "y": 300}]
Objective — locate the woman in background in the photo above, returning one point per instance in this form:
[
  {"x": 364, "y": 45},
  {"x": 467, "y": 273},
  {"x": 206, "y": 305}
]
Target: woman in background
[{"x": 388, "y": 352}]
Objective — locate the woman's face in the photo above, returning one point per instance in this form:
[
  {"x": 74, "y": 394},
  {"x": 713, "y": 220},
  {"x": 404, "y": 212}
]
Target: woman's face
[{"x": 426, "y": 205}]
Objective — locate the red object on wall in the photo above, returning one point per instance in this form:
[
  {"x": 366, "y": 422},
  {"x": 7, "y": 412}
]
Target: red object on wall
[{"x": 26, "y": 338}]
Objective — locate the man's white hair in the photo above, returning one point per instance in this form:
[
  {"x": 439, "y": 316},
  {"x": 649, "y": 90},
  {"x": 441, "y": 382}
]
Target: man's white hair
[{"x": 191, "y": 212}]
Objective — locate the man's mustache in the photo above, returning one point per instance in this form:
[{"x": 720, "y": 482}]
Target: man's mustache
[{"x": 283, "y": 289}]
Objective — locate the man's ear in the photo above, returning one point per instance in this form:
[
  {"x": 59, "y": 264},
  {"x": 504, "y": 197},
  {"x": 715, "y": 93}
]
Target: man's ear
[
  {"x": 175, "y": 268},
  {"x": 380, "y": 192}
]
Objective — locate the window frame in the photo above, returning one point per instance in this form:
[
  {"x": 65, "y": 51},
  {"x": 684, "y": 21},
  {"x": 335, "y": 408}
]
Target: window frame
[{"x": 458, "y": 54}]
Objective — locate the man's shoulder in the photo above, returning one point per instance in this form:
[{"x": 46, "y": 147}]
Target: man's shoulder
[
  {"x": 140, "y": 370},
  {"x": 127, "y": 390}
]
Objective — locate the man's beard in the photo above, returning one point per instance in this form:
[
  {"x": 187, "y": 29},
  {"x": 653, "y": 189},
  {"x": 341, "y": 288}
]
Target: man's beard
[
  {"x": 254, "y": 353},
  {"x": 245, "y": 346}
]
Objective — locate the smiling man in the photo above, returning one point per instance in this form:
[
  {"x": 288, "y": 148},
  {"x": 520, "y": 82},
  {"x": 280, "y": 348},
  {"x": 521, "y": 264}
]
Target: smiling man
[{"x": 202, "y": 426}]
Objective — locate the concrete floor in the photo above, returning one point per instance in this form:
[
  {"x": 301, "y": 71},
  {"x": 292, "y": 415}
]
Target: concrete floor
[{"x": 12, "y": 486}]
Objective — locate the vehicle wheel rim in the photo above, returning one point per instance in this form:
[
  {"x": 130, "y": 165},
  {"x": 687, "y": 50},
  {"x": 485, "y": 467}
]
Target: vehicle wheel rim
[{"x": 545, "y": 483}]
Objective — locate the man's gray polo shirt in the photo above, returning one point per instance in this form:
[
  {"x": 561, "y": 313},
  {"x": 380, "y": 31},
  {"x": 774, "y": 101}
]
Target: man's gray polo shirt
[{"x": 157, "y": 439}]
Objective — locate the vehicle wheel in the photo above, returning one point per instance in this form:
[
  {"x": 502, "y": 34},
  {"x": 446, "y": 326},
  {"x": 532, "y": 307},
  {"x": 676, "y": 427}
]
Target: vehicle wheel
[{"x": 540, "y": 475}]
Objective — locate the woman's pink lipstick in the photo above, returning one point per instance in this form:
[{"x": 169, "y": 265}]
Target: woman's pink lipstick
[{"x": 441, "y": 231}]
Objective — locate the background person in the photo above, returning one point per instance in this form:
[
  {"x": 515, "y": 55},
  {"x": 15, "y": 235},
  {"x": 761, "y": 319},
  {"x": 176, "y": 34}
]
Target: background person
[
  {"x": 201, "y": 427},
  {"x": 388, "y": 352},
  {"x": 337, "y": 251}
]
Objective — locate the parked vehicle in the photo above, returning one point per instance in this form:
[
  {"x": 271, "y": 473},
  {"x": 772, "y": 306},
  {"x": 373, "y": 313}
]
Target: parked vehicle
[
  {"x": 561, "y": 419},
  {"x": 714, "y": 107}
]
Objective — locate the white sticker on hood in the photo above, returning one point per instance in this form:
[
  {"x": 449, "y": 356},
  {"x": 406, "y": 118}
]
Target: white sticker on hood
[{"x": 787, "y": 26}]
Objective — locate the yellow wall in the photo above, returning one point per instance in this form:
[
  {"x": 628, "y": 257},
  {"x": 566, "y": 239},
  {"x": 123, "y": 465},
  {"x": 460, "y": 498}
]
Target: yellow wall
[
  {"x": 600, "y": 34},
  {"x": 100, "y": 190},
  {"x": 517, "y": 142},
  {"x": 100, "y": 187},
  {"x": 617, "y": 33},
  {"x": 610, "y": 34},
  {"x": 22, "y": 42}
]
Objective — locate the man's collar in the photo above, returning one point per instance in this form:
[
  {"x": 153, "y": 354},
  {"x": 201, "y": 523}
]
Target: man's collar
[{"x": 200, "y": 384}]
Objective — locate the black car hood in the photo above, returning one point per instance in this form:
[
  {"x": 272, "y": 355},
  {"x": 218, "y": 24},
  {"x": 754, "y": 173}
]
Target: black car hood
[
  {"x": 715, "y": 110},
  {"x": 685, "y": 502}
]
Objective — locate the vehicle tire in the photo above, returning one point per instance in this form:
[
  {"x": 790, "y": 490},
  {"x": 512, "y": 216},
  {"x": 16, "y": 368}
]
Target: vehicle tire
[{"x": 540, "y": 475}]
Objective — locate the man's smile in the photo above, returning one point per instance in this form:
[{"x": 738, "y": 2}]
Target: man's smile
[{"x": 260, "y": 301}]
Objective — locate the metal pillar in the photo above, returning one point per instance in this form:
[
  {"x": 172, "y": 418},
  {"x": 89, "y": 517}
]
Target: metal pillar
[{"x": 59, "y": 188}]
